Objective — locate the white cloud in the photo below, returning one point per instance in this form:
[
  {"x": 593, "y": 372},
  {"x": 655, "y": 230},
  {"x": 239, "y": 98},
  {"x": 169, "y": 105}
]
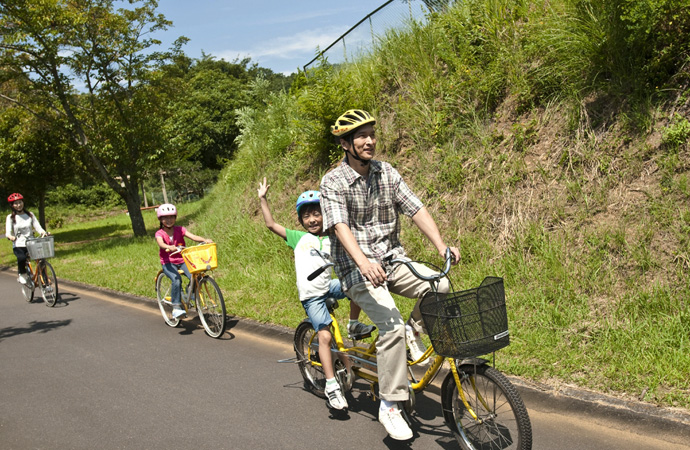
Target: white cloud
[{"x": 302, "y": 44}]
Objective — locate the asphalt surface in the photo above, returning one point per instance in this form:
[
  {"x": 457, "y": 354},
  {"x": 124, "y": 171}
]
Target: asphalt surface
[{"x": 102, "y": 370}]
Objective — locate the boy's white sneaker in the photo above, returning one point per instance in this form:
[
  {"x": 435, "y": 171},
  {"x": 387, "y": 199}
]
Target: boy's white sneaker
[
  {"x": 178, "y": 312},
  {"x": 335, "y": 396},
  {"x": 396, "y": 427},
  {"x": 21, "y": 278},
  {"x": 415, "y": 344}
]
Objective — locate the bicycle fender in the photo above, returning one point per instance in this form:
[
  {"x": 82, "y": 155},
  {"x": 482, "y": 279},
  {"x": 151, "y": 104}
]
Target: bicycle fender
[{"x": 471, "y": 361}]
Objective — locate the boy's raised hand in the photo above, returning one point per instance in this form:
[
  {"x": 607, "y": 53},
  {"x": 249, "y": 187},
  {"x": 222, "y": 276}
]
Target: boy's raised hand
[{"x": 263, "y": 188}]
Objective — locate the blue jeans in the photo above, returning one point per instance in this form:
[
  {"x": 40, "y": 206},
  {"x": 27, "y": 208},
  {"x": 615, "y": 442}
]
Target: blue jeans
[
  {"x": 171, "y": 271},
  {"x": 316, "y": 309}
]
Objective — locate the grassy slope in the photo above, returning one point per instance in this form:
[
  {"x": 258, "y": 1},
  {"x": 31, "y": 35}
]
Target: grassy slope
[{"x": 572, "y": 191}]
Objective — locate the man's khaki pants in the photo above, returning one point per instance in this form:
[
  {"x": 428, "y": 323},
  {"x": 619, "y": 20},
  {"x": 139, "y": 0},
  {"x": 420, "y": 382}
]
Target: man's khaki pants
[{"x": 379, "y": 305}]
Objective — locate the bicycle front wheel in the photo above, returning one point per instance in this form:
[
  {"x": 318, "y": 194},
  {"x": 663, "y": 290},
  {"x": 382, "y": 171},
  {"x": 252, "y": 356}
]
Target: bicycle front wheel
[
  {"x": 49, "y": 284},
  {"x": 211, "y": 307},
  {"x": 163, "y": 290},
  {"x": 28, "y": 288},
  {"x": 502, "y": 421}
]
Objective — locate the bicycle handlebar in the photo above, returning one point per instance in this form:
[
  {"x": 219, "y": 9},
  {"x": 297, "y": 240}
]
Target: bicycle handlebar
[
  {"x": 182, "y": 247},
  {"x": 438, "y": 276},
  {"x": 320, "y": 270}
]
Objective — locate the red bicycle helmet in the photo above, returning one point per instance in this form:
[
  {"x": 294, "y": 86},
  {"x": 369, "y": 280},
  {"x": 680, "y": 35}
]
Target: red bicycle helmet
[{"x": 14, "y": 197}]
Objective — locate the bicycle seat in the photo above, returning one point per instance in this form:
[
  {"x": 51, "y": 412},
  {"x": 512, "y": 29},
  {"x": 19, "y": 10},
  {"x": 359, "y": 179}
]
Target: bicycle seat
[{"x": 331, "y": 303}]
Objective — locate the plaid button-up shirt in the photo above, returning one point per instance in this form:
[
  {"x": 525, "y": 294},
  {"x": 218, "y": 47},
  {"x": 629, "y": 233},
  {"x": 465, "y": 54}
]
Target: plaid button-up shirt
[{"x": 370, "y": 208}]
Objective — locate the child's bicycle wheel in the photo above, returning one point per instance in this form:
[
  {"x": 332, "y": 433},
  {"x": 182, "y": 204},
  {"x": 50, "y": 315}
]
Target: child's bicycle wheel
[
  {"x": 163, "y": 289},
  {"x": 210, "y": 305},
  {"x": 307, "y": 351}
]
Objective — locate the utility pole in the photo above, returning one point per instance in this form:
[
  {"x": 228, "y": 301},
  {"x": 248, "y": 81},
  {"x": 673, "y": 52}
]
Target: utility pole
[
  {"x": 143, "y": 194},
  {"x": 165, "y": 194}
]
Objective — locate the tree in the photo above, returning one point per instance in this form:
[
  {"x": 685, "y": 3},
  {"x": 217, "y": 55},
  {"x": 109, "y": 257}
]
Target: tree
[
  {"x": 34, "y": 156},
  {"x": 115, "y": 118}
]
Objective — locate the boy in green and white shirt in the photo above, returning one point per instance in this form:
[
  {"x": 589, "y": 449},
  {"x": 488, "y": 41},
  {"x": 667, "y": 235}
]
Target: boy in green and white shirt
[{"x": 313, "y": 293}]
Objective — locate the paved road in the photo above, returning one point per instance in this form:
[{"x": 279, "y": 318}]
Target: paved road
[{"x": 98, "y": 371}]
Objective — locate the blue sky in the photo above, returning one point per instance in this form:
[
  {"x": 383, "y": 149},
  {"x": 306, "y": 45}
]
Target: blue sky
[{"x": 279, "y": 35}]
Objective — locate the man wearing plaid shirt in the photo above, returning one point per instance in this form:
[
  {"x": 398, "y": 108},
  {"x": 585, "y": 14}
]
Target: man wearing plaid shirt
[{"x": 360, "y": 201}]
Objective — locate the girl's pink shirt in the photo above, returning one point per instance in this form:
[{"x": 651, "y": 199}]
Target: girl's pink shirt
[{"x": 178, "y": 239}]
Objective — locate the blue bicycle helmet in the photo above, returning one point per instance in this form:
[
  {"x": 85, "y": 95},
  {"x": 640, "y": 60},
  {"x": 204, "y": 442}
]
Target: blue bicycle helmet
[{"x": 307, "y": 198}]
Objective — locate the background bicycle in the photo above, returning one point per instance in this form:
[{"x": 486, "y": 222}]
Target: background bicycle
[
  {"x": 41, "y": 272},
  {"x": 202, "y": 291}
]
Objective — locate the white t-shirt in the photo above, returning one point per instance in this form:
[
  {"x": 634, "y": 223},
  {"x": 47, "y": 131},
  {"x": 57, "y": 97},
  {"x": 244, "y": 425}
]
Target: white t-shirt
[
  {"x": 22, "y": 228},
  {"x": 306, "y": 263}
]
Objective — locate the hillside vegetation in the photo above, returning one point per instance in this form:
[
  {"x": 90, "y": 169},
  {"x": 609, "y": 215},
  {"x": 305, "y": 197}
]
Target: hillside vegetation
[{"x": 549, "y": 139}]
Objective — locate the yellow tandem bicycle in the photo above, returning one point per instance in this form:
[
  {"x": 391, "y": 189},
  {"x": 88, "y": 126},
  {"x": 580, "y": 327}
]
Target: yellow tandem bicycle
[{"x": 480, "y": 405}]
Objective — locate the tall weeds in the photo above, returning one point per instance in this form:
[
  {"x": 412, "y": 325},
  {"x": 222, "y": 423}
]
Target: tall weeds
[{"x": 535, "y": 132}]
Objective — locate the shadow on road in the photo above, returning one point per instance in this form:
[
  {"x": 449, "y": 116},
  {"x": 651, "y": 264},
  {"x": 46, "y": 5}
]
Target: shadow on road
[
  {"x": 34, "y": 327},
  {"x": 65, "y": 298}
]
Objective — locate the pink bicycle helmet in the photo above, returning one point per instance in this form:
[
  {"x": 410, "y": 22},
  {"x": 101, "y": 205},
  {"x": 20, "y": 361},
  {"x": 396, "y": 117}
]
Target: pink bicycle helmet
[{"x": 166, "y": 209}]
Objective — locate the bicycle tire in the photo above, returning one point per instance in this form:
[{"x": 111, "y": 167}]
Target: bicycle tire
[
  {"x": 49, "y": 284},
  {"x": 28, "y": 290},
  {"x": 163, "y": 289},
  {"x": 211, "y": 307},
  {"x": 307, "y": 350},
  {"x": 504, "y": 425}
]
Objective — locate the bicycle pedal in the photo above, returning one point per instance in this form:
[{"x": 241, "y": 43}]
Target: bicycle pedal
[{"x": 359, "y": 337}]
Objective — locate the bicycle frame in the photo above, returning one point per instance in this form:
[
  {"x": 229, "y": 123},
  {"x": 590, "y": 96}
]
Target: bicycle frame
[
  {"x": 361, "y": 356},
  {"x": 192, "y": 288},
  {"x": 35, "y": 274}
]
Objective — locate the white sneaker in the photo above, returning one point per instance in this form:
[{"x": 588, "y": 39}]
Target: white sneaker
[
  {"x": 415, "y": 344},
  {"x": 178, "y": 312},
  {"x": 21, "y": 278},
  {"x": 392, "y": 420},
  {"x": 336, "y": 399}
]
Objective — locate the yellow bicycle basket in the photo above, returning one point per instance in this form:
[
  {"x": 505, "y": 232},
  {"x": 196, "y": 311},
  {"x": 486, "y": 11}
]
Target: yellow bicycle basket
[{"x": 200, "y": 258}]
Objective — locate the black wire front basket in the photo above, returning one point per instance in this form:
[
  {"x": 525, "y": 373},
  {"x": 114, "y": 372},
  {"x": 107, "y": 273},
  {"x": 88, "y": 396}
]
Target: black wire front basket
[{"x": 467, "y": 323}]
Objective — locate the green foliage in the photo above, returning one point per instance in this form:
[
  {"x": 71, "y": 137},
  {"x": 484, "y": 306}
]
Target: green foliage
[
  {"x": 677, "y": 133},
  {"x": 98, "y": 196},
  {"x": 115, "y": 122},
  {"x": 202, "y": 121}
]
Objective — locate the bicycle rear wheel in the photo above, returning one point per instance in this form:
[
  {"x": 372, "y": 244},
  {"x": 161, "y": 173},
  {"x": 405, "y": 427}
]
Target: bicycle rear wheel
[
  {"x": 48, "y": 283},
  {"x": 307, "y": 351},
  {"x": 502, "y": 422},
  {"x": 211, "y": 307},
  {"x": 163, "y": 289}
]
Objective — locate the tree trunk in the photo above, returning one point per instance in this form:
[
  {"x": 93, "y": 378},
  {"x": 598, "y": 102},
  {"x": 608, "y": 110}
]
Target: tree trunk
[
  {"x": 42, "y": 210},
  {"x": 130, "y": 194}
]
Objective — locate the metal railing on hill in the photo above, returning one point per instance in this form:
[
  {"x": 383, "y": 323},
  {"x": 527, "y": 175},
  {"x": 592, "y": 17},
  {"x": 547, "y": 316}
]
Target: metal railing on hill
[{"x": 362, "y": 36}]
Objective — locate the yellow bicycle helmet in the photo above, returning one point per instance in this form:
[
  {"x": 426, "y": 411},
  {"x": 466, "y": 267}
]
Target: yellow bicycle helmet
[{"x": 350, "y": 121}]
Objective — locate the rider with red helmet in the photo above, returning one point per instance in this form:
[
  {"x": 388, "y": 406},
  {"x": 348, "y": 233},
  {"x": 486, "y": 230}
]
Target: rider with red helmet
[{"x": 21, "y": 224}]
